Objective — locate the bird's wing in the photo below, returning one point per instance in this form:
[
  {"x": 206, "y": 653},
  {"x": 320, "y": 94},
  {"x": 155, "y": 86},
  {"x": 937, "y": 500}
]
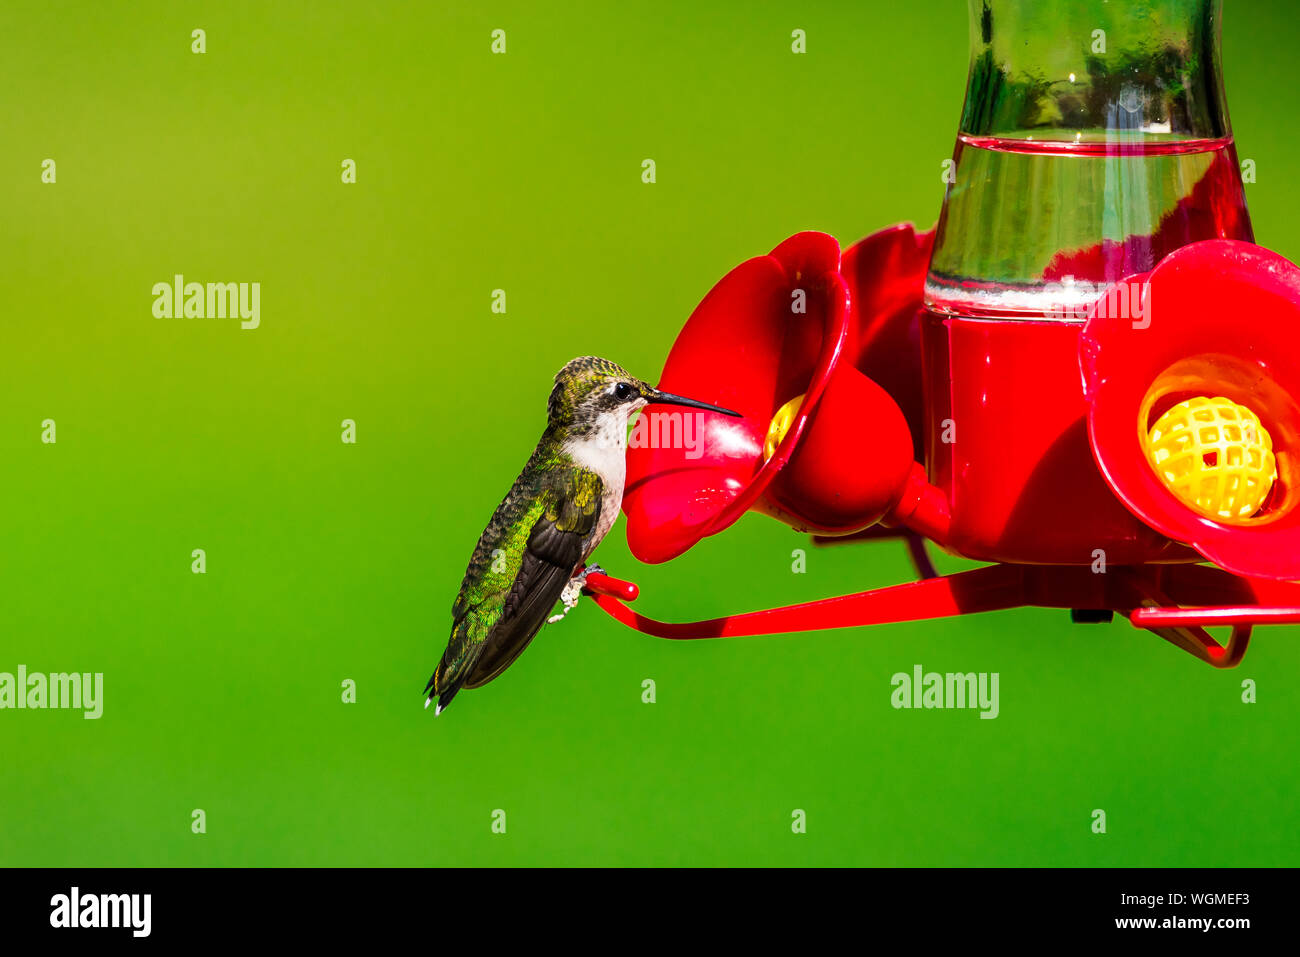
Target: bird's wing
[
  {"x": 523, "y": 560},
  {"x": 570, "y": 509},
  {"x": 493, "y": 565}
]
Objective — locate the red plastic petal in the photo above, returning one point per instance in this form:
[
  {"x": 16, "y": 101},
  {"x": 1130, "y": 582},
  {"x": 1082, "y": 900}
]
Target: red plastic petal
[
  {"x": 772, "y": 329},
  {"x": 1224, "y": 319}
]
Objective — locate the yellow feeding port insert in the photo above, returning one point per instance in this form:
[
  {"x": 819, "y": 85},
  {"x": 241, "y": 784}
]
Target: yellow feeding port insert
[
  {"x": 1215, "y": 455},
  {"x": 780, "y": 425}
]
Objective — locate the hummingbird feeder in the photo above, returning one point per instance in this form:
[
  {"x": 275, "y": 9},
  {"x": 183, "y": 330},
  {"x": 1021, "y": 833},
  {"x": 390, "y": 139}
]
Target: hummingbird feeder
[{"x": 1086, "y": 375}]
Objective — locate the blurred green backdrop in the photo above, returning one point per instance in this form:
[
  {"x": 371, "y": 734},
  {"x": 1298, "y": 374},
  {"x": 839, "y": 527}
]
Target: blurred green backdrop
[{"x": 328, "y": 561}]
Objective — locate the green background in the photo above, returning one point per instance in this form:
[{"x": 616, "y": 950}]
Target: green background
[{"x": 329, "y": 561}]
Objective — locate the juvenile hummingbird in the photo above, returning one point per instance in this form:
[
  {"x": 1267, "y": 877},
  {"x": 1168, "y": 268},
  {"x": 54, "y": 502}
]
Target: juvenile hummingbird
[{"x": 560, "y": 507}]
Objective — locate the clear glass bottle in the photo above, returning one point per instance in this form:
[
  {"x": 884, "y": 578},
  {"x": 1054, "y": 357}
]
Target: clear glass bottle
[{"x": 1094, "y": 140}]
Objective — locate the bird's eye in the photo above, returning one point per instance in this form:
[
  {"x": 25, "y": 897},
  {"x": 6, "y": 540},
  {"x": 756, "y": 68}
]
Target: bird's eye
[{"x": 623, "y": 392}]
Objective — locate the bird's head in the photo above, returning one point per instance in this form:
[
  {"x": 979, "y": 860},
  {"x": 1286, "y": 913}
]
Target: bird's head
[{"x": 593, "y": 396}]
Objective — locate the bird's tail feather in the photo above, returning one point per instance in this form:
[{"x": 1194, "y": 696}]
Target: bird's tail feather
[
  {"x": 442, "y": 688},
  {"x": 454, "y": 668}
]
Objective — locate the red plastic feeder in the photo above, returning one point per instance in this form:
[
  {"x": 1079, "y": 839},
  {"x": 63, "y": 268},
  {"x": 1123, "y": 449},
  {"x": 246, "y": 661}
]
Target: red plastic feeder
[
  {"x": 1087, "y": 375},
  {"x": 845, "y": 461}
]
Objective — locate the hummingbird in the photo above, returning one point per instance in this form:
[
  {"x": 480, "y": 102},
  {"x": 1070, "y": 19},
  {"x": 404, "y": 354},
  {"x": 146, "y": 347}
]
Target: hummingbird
[{"x": 559, "y": 509}]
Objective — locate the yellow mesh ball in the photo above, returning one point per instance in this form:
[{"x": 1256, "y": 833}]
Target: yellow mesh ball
[
  {"x": 780, "y": 425},
  {"x": 1215, "y": 455}
]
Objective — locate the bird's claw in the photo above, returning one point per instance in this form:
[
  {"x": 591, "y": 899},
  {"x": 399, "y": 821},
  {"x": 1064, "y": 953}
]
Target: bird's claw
[{"x": 573, "y": 591}]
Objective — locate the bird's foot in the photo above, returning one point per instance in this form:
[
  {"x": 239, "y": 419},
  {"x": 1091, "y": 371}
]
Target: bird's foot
[{"x": 573, "y": 591}]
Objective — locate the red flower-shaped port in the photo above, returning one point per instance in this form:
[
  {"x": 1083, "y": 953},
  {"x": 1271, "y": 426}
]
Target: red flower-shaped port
[
  {"x": 805, "y": 328},
  {"x": 1219, "y": 318}
]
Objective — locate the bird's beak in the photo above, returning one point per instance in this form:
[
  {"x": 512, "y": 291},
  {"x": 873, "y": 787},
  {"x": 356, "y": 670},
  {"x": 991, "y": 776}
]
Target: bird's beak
[{"x": 667, "y": 398}]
